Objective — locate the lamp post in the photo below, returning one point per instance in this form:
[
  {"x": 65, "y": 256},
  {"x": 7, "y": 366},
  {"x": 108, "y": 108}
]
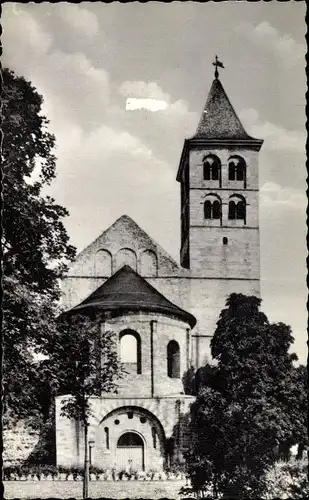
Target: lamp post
[
  {"x": 86, "y": 463},
  {"x": 91, "y": 445}
]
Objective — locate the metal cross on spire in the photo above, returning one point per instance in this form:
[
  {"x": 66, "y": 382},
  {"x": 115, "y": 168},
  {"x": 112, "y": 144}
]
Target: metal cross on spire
[{"x": 217, "y": 64}]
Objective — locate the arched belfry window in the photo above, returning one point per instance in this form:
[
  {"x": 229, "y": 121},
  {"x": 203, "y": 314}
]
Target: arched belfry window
[
  {"x": 237, "y": 169},
  {"x": 241, "y": 210},
  {"x": 173, "y": 359},
  {"x": 213, "y": 207},
  {"x": 212, "y": 168},
  {"x": 237, "y": 208},
  {"x": 216, "y": 209},
  {"x": 131, "y": 350},
  {"x": 232, "y": 209},
  {"x": 208, "y": 209}
]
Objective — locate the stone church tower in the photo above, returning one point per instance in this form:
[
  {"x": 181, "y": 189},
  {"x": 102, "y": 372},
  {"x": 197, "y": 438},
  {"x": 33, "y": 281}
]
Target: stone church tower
[
  {"x": 164, "y": 314},
  {"x": 219, "y": 177}
]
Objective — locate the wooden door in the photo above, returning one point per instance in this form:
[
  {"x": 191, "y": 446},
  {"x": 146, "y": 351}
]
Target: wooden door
[{"x": 130, "y": 452}]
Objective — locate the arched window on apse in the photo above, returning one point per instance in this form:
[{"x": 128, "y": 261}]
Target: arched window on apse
[
  {"x": 106, "y": 432},
  {"x": 103, "y": 263},
  {"x": 237, "y": 208},
  {"x": 211, "y": 168},
  {"x": 154, "y": 437},
  {"x": 130, "y": 350},
  {"x": 126, "y": 256},
  {"x": 149, "y": 263},
  {"x": 173, "y": 359},
  {"x": 237, "y": 169}
]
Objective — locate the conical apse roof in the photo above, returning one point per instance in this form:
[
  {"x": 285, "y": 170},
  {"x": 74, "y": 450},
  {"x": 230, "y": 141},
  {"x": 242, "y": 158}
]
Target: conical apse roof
[{"x": 127, "y": 291}]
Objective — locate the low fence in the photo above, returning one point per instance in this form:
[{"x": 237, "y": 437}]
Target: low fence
[{"x": 18, "y": 474}]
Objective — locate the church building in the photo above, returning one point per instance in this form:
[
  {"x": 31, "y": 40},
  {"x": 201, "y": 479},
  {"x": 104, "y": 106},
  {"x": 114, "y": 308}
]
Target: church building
[{"x": 164, "y": 313}]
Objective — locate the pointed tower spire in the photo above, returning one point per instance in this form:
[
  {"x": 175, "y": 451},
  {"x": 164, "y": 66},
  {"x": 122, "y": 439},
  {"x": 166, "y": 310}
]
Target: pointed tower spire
[{"x": 219, "y": 119}]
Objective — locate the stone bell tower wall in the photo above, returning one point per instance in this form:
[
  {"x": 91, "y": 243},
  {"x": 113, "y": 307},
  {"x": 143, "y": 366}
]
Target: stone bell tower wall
[{"x": 209, "y": 257}]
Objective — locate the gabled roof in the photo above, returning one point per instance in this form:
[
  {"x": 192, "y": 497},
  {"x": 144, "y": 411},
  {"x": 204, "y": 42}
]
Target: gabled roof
[
  {"x": 123, "y": 233},
  {"x": 127, "y": 291},
  {"x": 219, "y": 119}
]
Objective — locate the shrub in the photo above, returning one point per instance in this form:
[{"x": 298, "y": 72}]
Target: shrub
[
  {"x": 175, "y": 468},
  {"x": 288, "y": 480},
  {"x": 132, "y": 473},
  {"x": 95, "y": 470}
]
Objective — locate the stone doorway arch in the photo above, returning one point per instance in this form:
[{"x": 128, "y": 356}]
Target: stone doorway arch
[
  {"x": 130, "y": 419},
  {"x": 130, "y": 452}
]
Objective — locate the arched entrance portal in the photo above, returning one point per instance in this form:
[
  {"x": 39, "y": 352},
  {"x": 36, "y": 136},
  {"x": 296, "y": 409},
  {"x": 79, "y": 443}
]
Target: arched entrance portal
[
  {"x": 130, "y": 452},
  {"x": 130, "y": 433}
]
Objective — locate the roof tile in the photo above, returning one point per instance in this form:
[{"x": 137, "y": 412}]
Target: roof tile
[
  {"x": 127, "y": 291},
  {"x": 219, "y": 119}
]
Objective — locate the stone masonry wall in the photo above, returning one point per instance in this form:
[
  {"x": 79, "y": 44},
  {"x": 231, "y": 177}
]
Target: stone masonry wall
[
  {"x": 165, "y": 330},
  {"x": 112, "y": 413},
  {"x": 240, "y": 258},
  {"x": 18, "y": 443},
  {"x": 208, "y": 256}
]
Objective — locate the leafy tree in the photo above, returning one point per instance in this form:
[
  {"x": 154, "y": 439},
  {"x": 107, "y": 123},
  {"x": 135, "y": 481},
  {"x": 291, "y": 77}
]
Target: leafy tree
[
  {"x": 293, "y": 392},
  {"x": 35, "y": 244},
  {"x": 83, "y": 363},
  {"x": 244, "y": 405},
  {"x": 188, "y": 381}
]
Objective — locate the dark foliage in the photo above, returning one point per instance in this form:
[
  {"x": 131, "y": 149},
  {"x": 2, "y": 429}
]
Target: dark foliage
[
  {"x": 35, "y": 244},
  {"x": 251, "y": 400}
]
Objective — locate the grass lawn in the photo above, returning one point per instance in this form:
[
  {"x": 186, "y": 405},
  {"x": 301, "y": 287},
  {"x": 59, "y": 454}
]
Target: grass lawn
[{"x": 97, "y": 489}]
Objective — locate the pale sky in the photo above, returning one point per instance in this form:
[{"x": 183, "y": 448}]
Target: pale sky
[{"x": 91, "y": 60}]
